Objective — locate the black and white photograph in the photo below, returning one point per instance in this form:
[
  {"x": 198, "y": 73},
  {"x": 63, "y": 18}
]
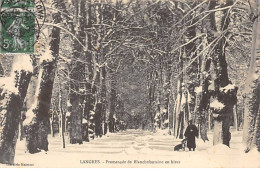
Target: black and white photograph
[{"x": 129, "y": 83}]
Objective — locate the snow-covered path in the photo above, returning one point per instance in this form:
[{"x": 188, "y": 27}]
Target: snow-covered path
[{"x": 138, "y": 148}]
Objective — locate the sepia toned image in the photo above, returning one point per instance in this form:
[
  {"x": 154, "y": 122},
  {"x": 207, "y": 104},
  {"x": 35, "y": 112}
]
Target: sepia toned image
[{"x": 130, "y": 84}]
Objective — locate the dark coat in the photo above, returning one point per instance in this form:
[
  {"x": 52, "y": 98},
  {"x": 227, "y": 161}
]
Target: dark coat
[{"x": 190, "y": 134}]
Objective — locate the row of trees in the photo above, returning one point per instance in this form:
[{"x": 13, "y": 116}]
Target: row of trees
[{"x": 103, "y": 63}]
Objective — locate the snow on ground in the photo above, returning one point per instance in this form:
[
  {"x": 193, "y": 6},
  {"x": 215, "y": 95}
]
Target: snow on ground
[{"x": 139, "y": 147}]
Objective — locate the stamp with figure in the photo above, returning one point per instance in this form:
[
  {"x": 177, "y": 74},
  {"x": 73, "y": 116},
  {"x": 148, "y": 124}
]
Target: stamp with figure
[
  {"x": 18, "y": 3},
  {"x": 17, "y": 26}
]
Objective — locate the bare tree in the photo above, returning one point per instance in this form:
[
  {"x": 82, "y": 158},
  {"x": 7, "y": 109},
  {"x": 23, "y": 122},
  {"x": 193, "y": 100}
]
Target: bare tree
[
  {"x": 251, "y": 135},
  {"x": 38, "y": 116},
  {"x": 13, "y": 90}
]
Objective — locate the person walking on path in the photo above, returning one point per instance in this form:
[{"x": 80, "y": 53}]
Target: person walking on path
[{"x": 190, "y": 133}]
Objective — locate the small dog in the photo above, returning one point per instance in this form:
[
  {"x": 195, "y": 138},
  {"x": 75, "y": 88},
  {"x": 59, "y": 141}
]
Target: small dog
[{"x": 181, "y": 147}]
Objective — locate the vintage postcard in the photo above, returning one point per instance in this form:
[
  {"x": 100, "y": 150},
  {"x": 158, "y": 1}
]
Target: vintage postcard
[{"x": 130, "y": 84}]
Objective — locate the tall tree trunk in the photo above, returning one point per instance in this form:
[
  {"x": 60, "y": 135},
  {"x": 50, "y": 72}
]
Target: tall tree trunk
[
  {"x": 77, "y": 74},
  {"x": 224, "y": 94},
  {"x": 113, "y": 100},
  {"x": 179, "y": 113},
  {"x": 98, "y": 120},
  {"x": 62, "y": 117},
  {"x": 38, "y": 129},
  {"x": 11, "y": 106},
  {"x": 251, "y": 135},
  {"x": 12, "y": 94},
  {"x": 25, "y": 78},
  {"x": 180, "y": 97},
  {"x": 89, "y": 99},
  {"x": 203, "y": 101},
  {"x": 76, "y": 119},
  {"x": 203, "y": 94},
  {"x": 193, "y": 71},
  {"x": 235, "y": 124},
  {"x": 151, "y": 86},
  {"x": 103, "y": 97}
]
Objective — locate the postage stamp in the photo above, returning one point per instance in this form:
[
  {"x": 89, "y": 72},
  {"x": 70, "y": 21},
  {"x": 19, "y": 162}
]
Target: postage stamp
[
  {"x": 17, "y": 26},
  {"x": 18, "y": 3}
]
